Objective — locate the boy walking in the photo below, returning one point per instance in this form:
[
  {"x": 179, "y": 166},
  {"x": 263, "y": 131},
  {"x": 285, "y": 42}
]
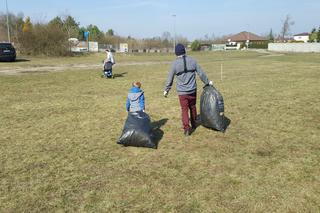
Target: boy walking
[{"x": 135, "y": 99}]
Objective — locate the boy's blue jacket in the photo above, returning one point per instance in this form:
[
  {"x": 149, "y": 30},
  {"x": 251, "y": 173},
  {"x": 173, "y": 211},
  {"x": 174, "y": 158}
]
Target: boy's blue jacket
[{"x": 135, "y": 100}]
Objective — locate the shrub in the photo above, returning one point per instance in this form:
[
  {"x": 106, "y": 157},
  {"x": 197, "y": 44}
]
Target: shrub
[
  {"x": 195, "y": 45},
  {"x": 47, "y": 40},
  {"x": 260, "y": 45}
]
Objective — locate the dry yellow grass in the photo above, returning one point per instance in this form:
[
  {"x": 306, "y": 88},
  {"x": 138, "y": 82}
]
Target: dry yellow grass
[{"x": 58, "y": 135}]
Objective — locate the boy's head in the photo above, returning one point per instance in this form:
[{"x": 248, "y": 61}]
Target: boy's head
[{"x": 136, "y": 84}]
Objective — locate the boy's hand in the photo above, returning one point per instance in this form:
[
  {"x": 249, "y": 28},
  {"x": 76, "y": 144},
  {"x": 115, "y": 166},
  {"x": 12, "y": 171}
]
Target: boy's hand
[
  {"x": 210, "y": 83},
  {"x": 165, "y": 94}
]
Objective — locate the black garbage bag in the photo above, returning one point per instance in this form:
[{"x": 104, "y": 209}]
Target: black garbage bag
[
  {"x": 137, "y": 131},
  {"x": 212, "y": 109}
]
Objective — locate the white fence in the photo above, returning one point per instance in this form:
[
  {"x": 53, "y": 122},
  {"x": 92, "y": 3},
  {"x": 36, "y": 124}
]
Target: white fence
[
  {"x": 82, "y": 46},
  {"x": 294, "y": 47}
]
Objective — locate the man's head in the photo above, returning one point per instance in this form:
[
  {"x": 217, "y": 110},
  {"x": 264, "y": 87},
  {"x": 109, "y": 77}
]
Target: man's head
[
  {"x": 107, "y": 50},
  {"x": 136, "y": 84},
  {"x": 180, "y": 50}
]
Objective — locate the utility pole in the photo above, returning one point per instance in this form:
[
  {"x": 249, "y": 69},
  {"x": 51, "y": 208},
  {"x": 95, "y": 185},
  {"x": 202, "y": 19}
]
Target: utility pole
[
  {"x": 8, "y": 28},
  {"x": 174, "y": 31}
]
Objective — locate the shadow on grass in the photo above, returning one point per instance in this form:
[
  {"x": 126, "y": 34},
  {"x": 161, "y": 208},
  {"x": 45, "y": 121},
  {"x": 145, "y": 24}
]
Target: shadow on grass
[
  {"x": 115, "y": 75},
  {"x": 21, "y": 60},
  {"x": 119, "y": 75},
  {"x": 156, "y": 131}
]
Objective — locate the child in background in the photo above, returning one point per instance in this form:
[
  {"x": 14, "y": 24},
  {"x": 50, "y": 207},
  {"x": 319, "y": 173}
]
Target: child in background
[
  {"x": 107, "y": 65},
  {"x": 135, "y": 99}
]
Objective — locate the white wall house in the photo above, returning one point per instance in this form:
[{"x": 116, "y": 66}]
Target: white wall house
[
  {"x": 301, "y": 37},
  {"x": 123, "y": 48}
]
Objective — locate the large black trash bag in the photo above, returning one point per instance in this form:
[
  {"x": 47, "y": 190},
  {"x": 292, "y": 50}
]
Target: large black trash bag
[
  {"x": 212, "y": 109},
  {"x": 137, "y": 131}
]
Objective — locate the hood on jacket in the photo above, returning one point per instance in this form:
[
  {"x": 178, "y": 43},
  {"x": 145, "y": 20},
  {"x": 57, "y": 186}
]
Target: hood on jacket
[{"x": 135, "y": 93}]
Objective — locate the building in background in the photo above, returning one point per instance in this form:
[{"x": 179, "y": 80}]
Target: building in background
[
  {"x": 303, "y": 37},
  {"x": 248, "y": 39},
  {"x": 123, "y": 47},
  {"x": 82, "y": 46}
]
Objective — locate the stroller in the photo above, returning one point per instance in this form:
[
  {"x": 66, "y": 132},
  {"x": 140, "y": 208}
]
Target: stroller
[{"x": 107, "y": 70}]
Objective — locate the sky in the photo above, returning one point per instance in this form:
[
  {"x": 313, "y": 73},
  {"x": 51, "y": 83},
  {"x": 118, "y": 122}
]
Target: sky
[{"x": 193, "y": 19}]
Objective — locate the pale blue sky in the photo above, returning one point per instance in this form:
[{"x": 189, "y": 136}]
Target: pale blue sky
[{"x": 194, "y": 19}]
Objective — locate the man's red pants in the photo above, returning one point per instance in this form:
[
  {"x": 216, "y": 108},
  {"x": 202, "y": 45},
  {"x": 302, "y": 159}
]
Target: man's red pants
[{"x": 188, "y": 102}]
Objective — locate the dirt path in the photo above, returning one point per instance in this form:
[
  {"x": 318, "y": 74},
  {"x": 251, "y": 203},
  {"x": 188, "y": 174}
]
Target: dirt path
[
  {"x": 59, "y": 68},
  {"x": 18, "y": 70}
]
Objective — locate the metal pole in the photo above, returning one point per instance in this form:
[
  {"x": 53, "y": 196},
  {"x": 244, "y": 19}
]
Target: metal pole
[
  {"x": 221, "y": 68},
  {"x": 88, "y": 42},
  {"x": 174, "y": 31},
  {"x": 8, "y": 28}
]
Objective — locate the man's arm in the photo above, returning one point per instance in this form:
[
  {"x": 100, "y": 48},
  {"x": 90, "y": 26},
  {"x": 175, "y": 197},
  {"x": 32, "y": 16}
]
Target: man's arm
[
  {"x": 202, "y": 74},
  {"x": 170, "y": 79}
]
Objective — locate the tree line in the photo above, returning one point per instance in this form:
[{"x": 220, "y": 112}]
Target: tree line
[{"x": 51, "y": 38}]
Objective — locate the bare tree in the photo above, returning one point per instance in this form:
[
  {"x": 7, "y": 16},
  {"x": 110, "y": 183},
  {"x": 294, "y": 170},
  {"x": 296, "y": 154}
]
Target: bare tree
[{"x": 287, "y": 23}]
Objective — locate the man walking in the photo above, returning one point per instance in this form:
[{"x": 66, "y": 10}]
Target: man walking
[{"x": 185, "y": 68}]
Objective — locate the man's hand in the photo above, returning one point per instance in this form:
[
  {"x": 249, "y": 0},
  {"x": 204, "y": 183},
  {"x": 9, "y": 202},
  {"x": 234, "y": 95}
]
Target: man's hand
[
  {"x": 165, "y": 94},
  {"x": 210, "y": 83}
]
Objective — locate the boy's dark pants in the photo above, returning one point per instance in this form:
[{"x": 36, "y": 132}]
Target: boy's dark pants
[
  {"x": 188, "y": 102},
  {"x": 107, "y": 73}
]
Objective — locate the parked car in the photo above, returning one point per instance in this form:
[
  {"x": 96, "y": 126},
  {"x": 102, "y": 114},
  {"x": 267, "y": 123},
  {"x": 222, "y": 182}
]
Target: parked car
[{"x": 7, "y": 52}]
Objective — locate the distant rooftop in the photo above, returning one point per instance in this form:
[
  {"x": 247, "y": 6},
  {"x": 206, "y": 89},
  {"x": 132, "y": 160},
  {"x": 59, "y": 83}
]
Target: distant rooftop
[
  {"x": 302, "y": 34},
  {"x": 244, "y": 36}
]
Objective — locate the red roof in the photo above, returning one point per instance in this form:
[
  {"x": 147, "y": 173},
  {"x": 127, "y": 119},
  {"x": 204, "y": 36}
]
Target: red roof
[{"x": 244, "y": 36}]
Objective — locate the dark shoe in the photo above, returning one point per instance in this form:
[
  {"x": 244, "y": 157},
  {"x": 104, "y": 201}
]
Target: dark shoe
[{"x": 186, "y": 132}]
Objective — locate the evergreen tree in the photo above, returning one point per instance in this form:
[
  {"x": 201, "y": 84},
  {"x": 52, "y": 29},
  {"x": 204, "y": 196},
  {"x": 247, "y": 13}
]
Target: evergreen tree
[
  {"x": 71, "y": 26},
  {"x": 110, "y": 32},
  {"x": 313, "y": 35},
  {"x": 271, "y": 36},
  {"x": 57, "y": 21}
]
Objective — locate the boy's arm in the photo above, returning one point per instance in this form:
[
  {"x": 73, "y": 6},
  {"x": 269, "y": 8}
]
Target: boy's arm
[
  {"x": 128, "y": 105},
  {"x": 112, "y": 59},
  {"x": 141, "y": 101}
]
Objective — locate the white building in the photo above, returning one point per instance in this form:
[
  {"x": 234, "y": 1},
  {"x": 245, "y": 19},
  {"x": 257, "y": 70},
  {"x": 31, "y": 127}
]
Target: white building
[
  {"x": 301, "y": 37},
  {"x": 82, "y": 46},
  {"x": 123, "y": 48}
]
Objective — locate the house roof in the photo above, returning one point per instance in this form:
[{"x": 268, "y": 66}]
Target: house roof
[
  {"x": 302, "y": 34},
  {"x": 244, "y": 36}
]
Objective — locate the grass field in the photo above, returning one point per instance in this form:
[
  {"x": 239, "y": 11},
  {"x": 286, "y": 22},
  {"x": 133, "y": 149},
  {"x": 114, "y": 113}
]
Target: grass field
[{"x": 58, "y": 133}]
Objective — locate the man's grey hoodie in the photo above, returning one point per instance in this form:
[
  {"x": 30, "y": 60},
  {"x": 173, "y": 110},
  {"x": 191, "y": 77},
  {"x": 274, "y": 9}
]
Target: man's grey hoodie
[{"x": 185, "y": 68}]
